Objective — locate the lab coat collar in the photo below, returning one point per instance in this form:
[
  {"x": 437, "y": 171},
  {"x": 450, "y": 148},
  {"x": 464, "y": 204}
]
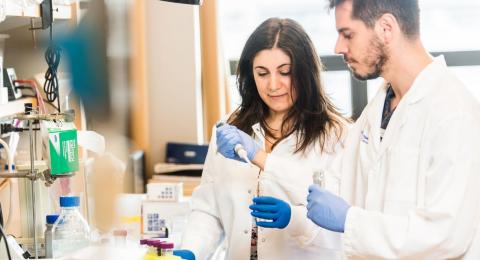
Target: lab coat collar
[
  {"x": 260, "y": 134},
  {"x": 426, "y": 80},
  {"x": 375, "y": 116},
  {"x": 257, "y": 129},
  {"x": 422, "y": 86}
]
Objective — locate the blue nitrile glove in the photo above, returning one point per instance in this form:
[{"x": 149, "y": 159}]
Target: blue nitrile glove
[
  {"x": 269, "y": 208},
  {"x": 229, "y": 136},
  {"x": 326, "y": 209},
  {"x": 184, "y": 254}
]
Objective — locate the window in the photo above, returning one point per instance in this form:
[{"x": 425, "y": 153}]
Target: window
[
  {"x": 337, "y": 87},
  {"x": 470, "y": 77},
  {"x": 450, "y": 25},
  {"x": 447, "y": 27},
  {"x": 238, "y": 19}
]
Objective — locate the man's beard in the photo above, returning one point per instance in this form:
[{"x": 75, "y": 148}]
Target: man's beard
[{"x": 376, "y": 59}]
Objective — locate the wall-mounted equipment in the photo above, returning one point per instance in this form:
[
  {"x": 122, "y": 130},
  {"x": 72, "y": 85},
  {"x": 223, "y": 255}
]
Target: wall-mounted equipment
[{"x": 9, "y": 77}]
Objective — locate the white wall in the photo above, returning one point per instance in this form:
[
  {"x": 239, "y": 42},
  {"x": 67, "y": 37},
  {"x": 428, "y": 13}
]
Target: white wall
[
  {"x": 26, "y": 56},
  {"x": 173, "y": 75}
]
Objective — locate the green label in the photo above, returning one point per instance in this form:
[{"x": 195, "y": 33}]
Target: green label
[{"x": 63, "y": 151}]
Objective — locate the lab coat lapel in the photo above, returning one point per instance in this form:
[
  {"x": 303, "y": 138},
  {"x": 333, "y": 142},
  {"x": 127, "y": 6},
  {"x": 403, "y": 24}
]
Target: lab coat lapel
[
  {"x": 420, "y": 88},
  {"x": 259, "y": 134},
  {"x": 368, "y": 149},
  {"x": 375, "y": 119},
  {"x": 398, "y": 119},
  {"x": 369, "y": 135}
]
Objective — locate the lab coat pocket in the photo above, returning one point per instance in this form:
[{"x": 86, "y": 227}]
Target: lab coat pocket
[{"x": 400, "y": 170}]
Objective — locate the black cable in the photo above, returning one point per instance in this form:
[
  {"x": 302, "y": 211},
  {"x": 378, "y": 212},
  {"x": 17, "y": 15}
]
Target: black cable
[
  {"x": 52, "y": 57},
  {"x": 6, "y": 243}
]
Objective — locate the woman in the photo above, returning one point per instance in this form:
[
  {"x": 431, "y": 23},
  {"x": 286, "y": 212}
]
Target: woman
[{"x": 285, "y": 110}]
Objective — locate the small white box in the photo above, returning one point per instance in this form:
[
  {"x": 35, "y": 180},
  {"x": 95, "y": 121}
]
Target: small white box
[
  {"x": 159, "y": 214},
  {"x": 172, "y": 192}
]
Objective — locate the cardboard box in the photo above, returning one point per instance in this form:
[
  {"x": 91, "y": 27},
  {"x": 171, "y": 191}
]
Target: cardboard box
[{"x": 61, "y": 140}]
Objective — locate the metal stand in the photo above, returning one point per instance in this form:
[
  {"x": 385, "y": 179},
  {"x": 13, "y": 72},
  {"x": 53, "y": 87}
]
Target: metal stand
[
  {"x": 32, "y": 173},
  {"x": 32, "y": 168}
]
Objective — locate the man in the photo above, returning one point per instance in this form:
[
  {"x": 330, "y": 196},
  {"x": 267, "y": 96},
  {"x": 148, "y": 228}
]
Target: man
[
  {"x": 410, "y": 170},
  {"x": 409, "y": 175}
]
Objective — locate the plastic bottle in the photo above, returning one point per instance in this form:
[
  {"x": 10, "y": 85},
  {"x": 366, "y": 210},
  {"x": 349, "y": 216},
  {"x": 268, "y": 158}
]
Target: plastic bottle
[
  {"x": 50, "y": 221},
  {"x": 70, "y": 231}
]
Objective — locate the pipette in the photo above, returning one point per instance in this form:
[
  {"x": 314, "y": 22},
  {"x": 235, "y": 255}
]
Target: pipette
[{"x": 239, "y": 150}]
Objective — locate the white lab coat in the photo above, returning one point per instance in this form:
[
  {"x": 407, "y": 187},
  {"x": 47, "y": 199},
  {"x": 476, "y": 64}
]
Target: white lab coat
[
  {"x": 416, "y": 194},
  {"x": 220, "y": 208}
]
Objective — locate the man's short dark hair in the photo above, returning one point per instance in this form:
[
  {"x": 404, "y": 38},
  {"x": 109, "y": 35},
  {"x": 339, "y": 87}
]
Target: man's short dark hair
[{"x": 406, "y": 12}]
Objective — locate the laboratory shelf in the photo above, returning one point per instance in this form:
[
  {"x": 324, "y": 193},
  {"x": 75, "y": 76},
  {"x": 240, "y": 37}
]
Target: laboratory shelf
[
  {"x": 18, "y": 16},
  {"x": 16, "y": 106}
]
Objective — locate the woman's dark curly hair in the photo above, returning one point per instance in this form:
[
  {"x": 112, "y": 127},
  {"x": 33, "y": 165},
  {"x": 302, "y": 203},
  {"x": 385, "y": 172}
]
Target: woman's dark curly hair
[{"x": 312, "y": 116}]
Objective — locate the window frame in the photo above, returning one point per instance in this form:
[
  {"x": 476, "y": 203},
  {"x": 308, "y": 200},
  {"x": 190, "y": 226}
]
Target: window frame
[{"x": 359, "y": 92}]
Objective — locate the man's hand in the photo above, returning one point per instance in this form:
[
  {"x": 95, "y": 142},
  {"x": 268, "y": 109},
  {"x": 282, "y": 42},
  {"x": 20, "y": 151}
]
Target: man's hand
[{"x": 326, "y": 209}]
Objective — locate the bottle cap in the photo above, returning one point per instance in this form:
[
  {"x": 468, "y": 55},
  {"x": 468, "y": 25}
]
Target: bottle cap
[
  {"x": 6, "y": 167},
  {"x": 69, "y": 201},
  {"x": 157, "y": 243},
  {"x": 166, "y": 245},
  {"x": 51, "y": 218},
  {"x": 150, "y": 241}
]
